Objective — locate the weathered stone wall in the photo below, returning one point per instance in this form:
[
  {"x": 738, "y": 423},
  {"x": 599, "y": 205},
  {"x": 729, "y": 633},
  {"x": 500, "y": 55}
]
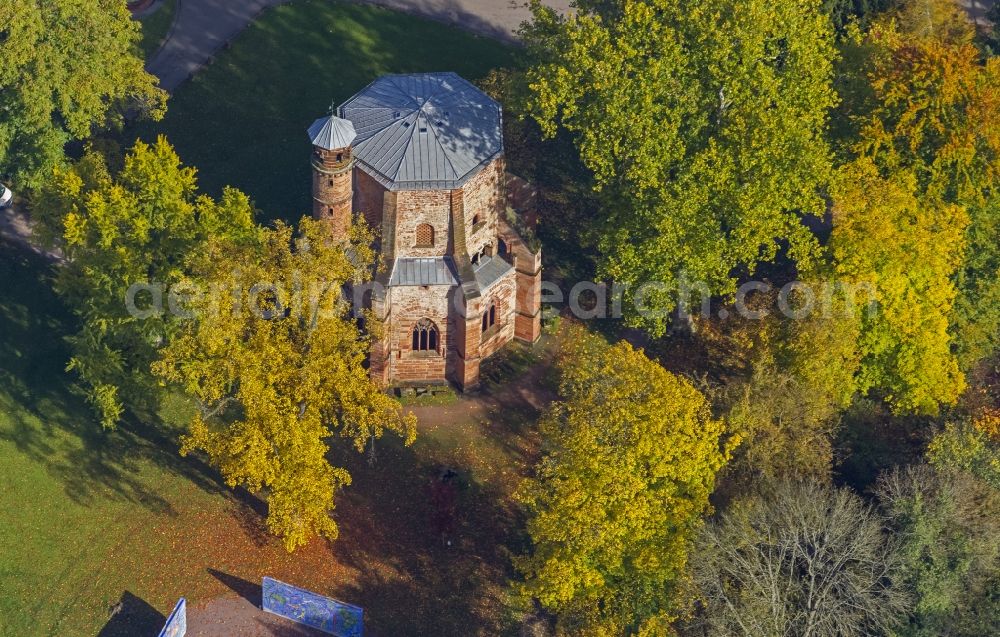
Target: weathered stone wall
[
  {"x": 503, "y": 293},
  {"x": 414, "y": 207},
  {"x": 484, "y": 197},
  {"x": 463, "y": 368},
  {"x": 408, "y": 305},
  {"x": 462, "y": 344},
  {"x": 369, "y": 196},
  {"x": 528, "y": 268}
]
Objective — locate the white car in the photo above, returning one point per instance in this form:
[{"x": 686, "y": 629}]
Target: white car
[{"x": 5, "y": 196}]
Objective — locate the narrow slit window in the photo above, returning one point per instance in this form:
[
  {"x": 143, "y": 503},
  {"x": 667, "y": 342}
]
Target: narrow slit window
[{"x": 490, "y": 317}]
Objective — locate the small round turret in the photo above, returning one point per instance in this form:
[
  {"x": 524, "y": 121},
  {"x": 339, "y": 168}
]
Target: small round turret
[{"x": 333, "y": 163}]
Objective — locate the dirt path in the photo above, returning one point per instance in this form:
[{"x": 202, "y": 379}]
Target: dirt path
[
  {"x": 232, "y": 616},
  {"x": 527, "y": 394},
  {"x": 385, "y": 560}
]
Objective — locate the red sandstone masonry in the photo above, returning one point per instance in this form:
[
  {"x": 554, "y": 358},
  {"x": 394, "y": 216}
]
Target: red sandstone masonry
[
  {"x": 483, "y": 196},
  {"x": 461, "y": 342},
  {"x": 369, "y": 198},
  {"x": 415, "y": 207},
  {"x": 333, "y": 191}
]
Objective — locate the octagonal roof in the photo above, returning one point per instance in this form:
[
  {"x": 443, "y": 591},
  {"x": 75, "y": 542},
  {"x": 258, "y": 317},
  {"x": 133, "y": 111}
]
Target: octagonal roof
[{"x": 425, "y": 131}]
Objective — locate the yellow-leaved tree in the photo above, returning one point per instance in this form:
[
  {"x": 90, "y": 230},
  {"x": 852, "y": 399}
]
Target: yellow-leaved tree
[
  {"x": 275, "y": 361},
  {"x": 631, "y": 453},
  {"x": 924, "y": 100},
  {"x": 908, "y": 250}
]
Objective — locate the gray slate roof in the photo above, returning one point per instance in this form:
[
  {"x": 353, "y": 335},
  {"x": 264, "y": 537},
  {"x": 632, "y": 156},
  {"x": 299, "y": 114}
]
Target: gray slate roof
[
  {"x": 490, "y": 270},
  {"x": 423, "y": 271},
  {"x": 424, "y": 131},
  {"x": 332, "y": 132}
]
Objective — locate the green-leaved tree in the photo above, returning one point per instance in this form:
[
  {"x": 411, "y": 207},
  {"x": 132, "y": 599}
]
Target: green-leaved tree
[
  {"x": 136, "y": 228},
  {"x": 66, "y": 67},
  {"x": 703, "y": 125}
]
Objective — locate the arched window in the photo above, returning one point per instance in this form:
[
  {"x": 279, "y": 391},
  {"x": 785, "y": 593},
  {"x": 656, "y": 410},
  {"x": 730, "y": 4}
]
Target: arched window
[
  {"x": 425, "y": 336},
  {"x": 425, "y": 236},
  {"x": 501, "y": 247},
  {"x": 490, "y": 317},
  {"x": 476, "y": 219}
]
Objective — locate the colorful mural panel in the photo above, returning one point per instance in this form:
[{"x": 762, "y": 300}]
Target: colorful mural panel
[{"x": 310, "y": 609}]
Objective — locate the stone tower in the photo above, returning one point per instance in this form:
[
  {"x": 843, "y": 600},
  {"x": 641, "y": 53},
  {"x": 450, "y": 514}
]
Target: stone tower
[{"x": 332, "y": 164}]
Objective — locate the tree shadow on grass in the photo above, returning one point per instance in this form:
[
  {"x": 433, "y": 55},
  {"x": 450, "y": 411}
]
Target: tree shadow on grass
[
  {"x": 242, "y": 120},
  {"x": 48, "y": 422},
  {"x": 133, "y": 616},
  {"x": 415, "y": 575}
]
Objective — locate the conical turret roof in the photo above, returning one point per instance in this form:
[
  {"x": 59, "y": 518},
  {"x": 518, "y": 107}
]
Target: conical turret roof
[{"x": 332, "y": 132}]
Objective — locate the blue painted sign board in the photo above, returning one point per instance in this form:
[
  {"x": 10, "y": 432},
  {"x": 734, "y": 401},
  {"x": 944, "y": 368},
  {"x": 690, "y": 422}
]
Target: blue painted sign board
[
  {"x": 308, "y": 608},
  {"x": 176, "y": 625}
]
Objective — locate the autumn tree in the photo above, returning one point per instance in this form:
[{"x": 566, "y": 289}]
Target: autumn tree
[
  {"x": 944, "y": 20},
  {"x": 925, "y": 102},
  {"x": 907, "y": 250},
  {"x": 135, "y": 228},
  {"x": 972, "y": 446},
  {"x": 797, "y": 559},
  {"x": 276, "y": 363},
  {"x": 947, "y": 522},
  {"x": 67, "y": 67},
  {"x": 703, "y": 125},
  {"x": 631, "y": 454},
  {"x": 788, "y": 380}
]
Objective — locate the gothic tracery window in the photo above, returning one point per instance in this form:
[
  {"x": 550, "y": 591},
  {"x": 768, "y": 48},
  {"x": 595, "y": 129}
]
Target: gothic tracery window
[{"x": 425, "y": 336}]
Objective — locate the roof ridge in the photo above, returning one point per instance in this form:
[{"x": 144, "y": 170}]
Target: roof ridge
[
  {"x": 444, "y": 151},
  {"x": 399, "y": 89}
]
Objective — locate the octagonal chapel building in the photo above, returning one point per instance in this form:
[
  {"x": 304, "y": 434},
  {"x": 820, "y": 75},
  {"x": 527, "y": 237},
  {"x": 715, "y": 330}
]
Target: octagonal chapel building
[{"x": 421, "y": 157}]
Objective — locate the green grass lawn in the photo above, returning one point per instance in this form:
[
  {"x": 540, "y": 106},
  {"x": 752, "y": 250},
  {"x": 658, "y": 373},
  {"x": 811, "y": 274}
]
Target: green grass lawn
[
  {"x": 155, "y": 27},
  {"x": 243, "y": 120},
  {"x": 77, "y": 502}
]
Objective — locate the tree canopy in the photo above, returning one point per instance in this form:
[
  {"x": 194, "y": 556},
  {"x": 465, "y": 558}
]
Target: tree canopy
[
  {"x": 134, "y": 228},
  {"x": 908, "y": 250},
  {"x": 703, "y": 125},
  {"x": 277, "y": 364},
  {"x": 972, "y": 446},
  {"x": 799, "y": 559},
  {"x": 66, "y": 67},
  {"x": 928, "y": 104},
  {"x": 947, "y": 522},
  {"x": 793, "y": 379},
  {"x": 631, "y": 453}
]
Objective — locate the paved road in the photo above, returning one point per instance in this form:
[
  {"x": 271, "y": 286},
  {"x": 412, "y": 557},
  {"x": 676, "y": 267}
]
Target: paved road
[{"x": 202, "y": 27}]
